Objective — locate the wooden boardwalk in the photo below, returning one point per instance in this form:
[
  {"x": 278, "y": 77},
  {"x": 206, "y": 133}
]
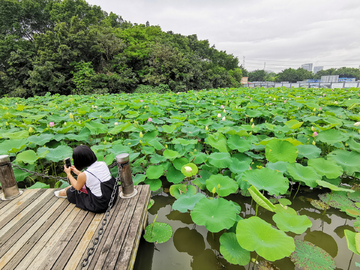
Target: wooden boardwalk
[{"x": 40, "y": 231}]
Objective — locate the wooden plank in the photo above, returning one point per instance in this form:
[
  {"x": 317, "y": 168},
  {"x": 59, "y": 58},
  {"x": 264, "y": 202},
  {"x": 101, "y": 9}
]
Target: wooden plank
[
  {"x": 17, "y": 201},
  {"x": 122, "y": 257},
  {"x": 51, "y": 246},
  {"x": 120, "y": 204},
  {"x": 36, "y": 249},
  {"x": 141, "y": 227},
  {"x": 10, "y": 249},
  {"x": 74, "y": 241},
  {"x": 11, "y": 218},
  {"x": 116, "y": 232},
  {"x": 84, "y": 242},
  {"x": 20, "y": 228}
]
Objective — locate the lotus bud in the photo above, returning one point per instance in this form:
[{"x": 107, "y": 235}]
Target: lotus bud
[
  {"x": 312, "y": 129},
  {"x": 213, "y": 190},
  {"x": 356, "y": 124},
  {"x": 129, "y": 143},
  {"x": 64, "y": 123},
  {"x": 166, "y": 146},
  {"x": 188, "y": 169},
  {"x": 105, "y": 142},
  {"x": 141, "y": 141},
  {"x": 71, "y": 116},
  {"x": 335, "y": 102},
  {"x": 250, "y": 133},
  {"x": 314, "y": 110},
  {"x": 219, "y": 115},
  {"x": 218, "y": 186},
  {"x": 31, "y": 130},
  {"x": 313, "y": 143},
  {"x": 149, "y": 119},
  {"x": 223, "y": 119},
  {"x": 141, "y": 134},
  {"x": 224, "y": 111},
  {"x": 315, "y": 134},
  {"x": 7, "y": 123},
  {"x": 116, "y": 123},
  {"x": 110, "y": 139},
  {"x": 253, "y": 125},
  {"x": 207, "y": 128},
  {"x": 251, "y": 120},
  {"x": 222, "y": 107}
]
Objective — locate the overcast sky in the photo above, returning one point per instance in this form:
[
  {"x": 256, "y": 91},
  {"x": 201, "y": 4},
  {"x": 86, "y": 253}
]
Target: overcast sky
[{"x": 281, "y": 33}]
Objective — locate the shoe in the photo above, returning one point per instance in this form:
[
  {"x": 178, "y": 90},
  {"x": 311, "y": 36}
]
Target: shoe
[{"x": 56, "y": 193}]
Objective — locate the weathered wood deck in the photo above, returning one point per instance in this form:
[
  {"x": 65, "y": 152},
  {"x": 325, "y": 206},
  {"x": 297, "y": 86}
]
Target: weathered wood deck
[{"x": 40, "y": 231}]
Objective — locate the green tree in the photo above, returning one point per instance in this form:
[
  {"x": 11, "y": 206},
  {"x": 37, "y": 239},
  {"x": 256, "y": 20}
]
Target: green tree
[{"x": 257, "y": 75}]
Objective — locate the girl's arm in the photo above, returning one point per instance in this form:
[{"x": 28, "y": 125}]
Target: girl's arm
[{"x": 81, "y": 179}]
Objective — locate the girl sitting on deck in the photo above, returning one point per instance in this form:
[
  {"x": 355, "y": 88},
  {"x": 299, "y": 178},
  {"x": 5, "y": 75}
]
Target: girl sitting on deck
[{"x": 93, "y": 187}]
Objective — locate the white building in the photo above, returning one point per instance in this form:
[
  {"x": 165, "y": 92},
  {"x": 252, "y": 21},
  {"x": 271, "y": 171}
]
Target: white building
[
  {"x": 318, "y": 68},
  {"x": 308, "y": 66}
]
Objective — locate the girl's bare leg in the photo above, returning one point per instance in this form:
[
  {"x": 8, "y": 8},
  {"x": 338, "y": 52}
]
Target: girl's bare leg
[{"x": 63, "y": 191}]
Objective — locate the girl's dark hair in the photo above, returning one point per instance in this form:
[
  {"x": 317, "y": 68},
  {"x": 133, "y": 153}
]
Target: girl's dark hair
[{"x": 83, "y": 157}]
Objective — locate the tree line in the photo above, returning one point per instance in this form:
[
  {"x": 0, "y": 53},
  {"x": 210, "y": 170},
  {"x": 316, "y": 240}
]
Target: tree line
[
  {"x": 71, "y": 47},
  {"x": 300, "y": 74}
]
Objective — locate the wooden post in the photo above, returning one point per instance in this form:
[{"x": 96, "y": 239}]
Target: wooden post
[
  {"x": 127, "y": 184},
  {"x": 7, "y": 179}
]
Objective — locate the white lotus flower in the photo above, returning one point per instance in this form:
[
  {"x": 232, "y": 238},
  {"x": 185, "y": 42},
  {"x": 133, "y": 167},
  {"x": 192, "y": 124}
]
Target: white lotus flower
[{"x": 188, "y": 169}]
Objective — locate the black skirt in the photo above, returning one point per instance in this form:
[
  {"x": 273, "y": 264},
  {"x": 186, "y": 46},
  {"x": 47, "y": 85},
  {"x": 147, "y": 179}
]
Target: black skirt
[{"x": 89, "y": 201}]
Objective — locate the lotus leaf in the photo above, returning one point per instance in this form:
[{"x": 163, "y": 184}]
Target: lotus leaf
[
  {"x": 332, "y": 136},
  {"x": 293, "y": 223},
  {"x": 179, "y": 163},
  {"x": 200, "y": 158},
  {"x": 293, "y": 124},
  {"x": 255, "y": 234},
  {"x": 232, "y": 251},
  {"x": 156, "y": 144},
  {"x": 304, "y": 174},
  {"x": 174, "y": 176},
  {"x": 326, "y": 167},
  {"x": 319, "y": 204},
  {"x": 178, "y": 190},
  {"x": 151, "y": 203},
  {"x": 41, "y": 139},
  {"x": 236, "y": 142},
  {"x": 157, "y": 159},
  {"x": 15, "y": 135},
  {"x": 308, "y": 151},
  {"x": 266, "y": 179},
  {"x": 238, "y": 166},
  {"x": 333, "y": 187},
  {"x": 354, "y": 196},
  {"x": 155, "y": 184},
  {"x": 220, "y": 160},
  {"x": 214, "y": 214},
  {"x": 96, "y": 128},
  {"x": 278, "y": 150},
  {"x": 218, "y": 141},
  {"x": 169, "y": 129},
  {"x": 355, "y": 146},
  {"x": 187, "y": 172},
  {"x": 170, "y": 154},
  {"x": 39, "y": 185},
  {"x": 56, "y": 154},
  {"x": 83, "y": 135},
  {"x": 349, "y": 161},
  {"x": 309, "y": 256},
  {"x": 155, "y": 171},
  {"x": 337, "y": 200},
  {"x": 187, "y": 202},
  {"x": 119, "y": 128},
  {"x": 279, "y": 166},
  {"x": 223, "y": 185},
  {"x": 12, "y": 146},
  {"x": 21, "y": 175},
  {"x": 260, "y": 199},
  {"x": 158, "y": 232},
  {"x": 353, "y": 241},
  {"x": 28, "y": 156},
  {"x": 137, "y": 179},
  {"x": 183, "y": 141}
]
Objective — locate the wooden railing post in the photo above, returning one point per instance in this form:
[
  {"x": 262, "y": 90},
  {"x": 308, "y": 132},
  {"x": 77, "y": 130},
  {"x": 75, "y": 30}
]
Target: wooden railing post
[
  {"x": 127, "y": 185},
  {"x": 7, "y": 179}
]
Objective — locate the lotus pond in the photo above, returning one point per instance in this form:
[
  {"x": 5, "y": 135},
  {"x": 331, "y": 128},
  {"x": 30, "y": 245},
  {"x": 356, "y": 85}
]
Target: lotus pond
[{"x": 264, "y": 178}]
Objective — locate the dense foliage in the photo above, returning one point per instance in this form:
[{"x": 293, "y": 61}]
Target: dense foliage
[{"x": 71, "y": 47}]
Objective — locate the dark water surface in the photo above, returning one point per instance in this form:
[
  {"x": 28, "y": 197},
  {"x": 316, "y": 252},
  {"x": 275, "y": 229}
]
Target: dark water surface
[{"x": 193, "y": 247}]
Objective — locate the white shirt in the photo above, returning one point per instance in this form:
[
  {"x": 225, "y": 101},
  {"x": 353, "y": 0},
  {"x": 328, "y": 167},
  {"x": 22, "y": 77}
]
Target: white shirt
[{"x": 101, "y": 171}]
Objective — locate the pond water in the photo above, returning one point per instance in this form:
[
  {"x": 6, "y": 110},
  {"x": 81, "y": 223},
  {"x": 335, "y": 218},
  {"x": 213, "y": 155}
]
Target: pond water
[{"x": 193, "y": 247}]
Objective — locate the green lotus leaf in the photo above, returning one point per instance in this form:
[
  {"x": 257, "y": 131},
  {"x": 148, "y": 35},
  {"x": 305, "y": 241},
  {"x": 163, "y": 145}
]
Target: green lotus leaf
[
  {"x": 170, "y": 154},
  {"x": 260, "y": 199},
  {"x": 200, "y": 158},
  {"x": 56, "y": 154},
  {"x": 223, "y": 185},
  {"x": 155, "y": 184},
  {"x": 169, "y": 129},
  {"x": 352, "y": 240},
  {"x": 238, "y": 166},
  {"x": 352, "y": 212},
  {"x": 278, "y": 150},
  {"x": 83, "y": 135},
  {"x": 158, "y": 232},
  {"x": 151, "y": 203},
  {"x": 41, "y": 139},
  {"x": 96, "y": 128},
  {"x": 232, "y": 251},
  {"x": 156, "y": 144},
  {"x": 189, "y": 172},
  {"x": 326, "y": 167},
  {"x": 304, "y": 174},
  {"x": 15, "y": 135},
  {"x": 183, "y": 141},
  {"x": 12, "y": 146},
  {"x": 353, "y": 145},
  {"x": 333, "y": 187},
  {"x": 236, "y": 142},
  {"x": 174, "y": 176},
  {"x": 218, "y": 141},
  {"x": 349, "y": 161},
  {"x": 280, "y": 166},
  {"x": 332, "y": 136},
  {"x": 293, "y": 124},
  {"x": 138, "y": 178},
  {"x": 308, "y": 151},
  {"x": 179, "y": 163},
  {"x": 293, "y": 223},
  {"x": 255, "y": 234},
  {"x": 284, "y": 201},
  {"x": 309, "y": 256},
  {"x": 28, "y": 156},
  {"x": 215, "y": 214},
  {"x": 187, "y": 202},
  {"x": 220, "y": 160},
  {"x": 119, "y": 128},
  {"x": 266, "y": 179},
  {"x": 354, "y": 196},
  {"x": 20, "y": 175},
  {"x": 179, "y": 190},
  {"x": 84, "y": 109},
  {"x": 155, "y": 171},
  {"x": 337, "y": 200},
  {"x": 155, "y": 159},
  {"x": 39, "y": 185}
]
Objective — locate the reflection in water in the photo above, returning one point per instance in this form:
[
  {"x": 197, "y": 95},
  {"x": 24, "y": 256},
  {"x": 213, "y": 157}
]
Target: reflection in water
[
  {"x": 324, "y": 241},
  {"x": 183, "y": 217},
  {"x": 205, "y": 261},
  {"x": 340, "y": 230},
  {"x": 190, "y": 241}
]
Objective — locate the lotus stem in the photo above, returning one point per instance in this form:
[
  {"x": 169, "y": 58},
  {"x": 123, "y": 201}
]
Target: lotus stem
[
  {"x": 327, "y": 205},
  {"x": 297, "y": 191},
  {"x": 350, "y": 261},
  {"x": 256, "y": 211}
]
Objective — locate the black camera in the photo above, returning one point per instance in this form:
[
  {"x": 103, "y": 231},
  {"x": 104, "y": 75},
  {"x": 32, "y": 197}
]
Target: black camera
[{"x": 67, "y": 162}]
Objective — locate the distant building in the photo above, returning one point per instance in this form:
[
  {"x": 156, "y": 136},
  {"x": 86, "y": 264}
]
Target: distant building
[
  {"x": 308, "y": 66},
  {"x": 317, "y": 69}
]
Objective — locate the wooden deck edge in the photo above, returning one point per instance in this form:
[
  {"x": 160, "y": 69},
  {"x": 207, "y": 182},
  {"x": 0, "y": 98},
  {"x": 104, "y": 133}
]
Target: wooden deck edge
[{"x": 139, "y": 231}]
